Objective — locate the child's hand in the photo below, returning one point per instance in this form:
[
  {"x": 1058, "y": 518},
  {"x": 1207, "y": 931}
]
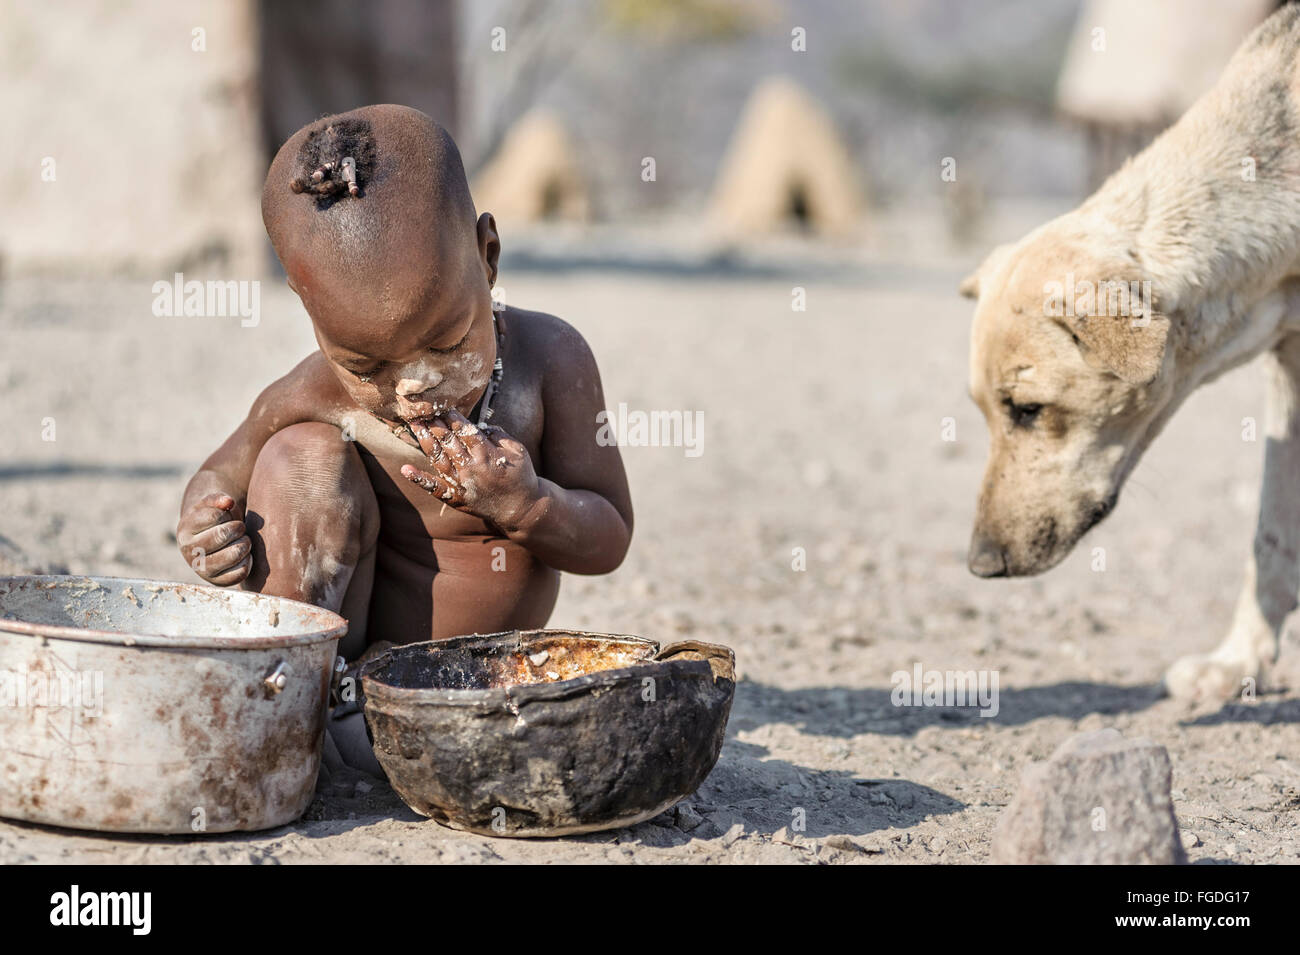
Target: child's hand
[
  {"x": 214, "y": 541},
  {"x": 480, "y": 470}
]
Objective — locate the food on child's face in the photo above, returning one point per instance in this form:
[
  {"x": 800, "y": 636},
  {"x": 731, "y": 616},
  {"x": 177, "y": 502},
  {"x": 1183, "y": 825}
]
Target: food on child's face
[{"x": 421, "y": 429}]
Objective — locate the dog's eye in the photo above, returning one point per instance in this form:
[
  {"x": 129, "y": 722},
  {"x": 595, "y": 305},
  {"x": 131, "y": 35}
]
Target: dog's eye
[{"x": 1022, "y": 416}]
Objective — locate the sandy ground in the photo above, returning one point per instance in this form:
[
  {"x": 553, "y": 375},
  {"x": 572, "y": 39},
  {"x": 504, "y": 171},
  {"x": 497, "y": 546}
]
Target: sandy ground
[{"x": 822, "y": 432}]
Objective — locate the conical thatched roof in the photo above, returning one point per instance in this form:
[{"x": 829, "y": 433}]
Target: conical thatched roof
[
  {"x": 786, "y": 163},
  {"x": 1159, "y": 56},
  {"x": 533, "y": 175}
]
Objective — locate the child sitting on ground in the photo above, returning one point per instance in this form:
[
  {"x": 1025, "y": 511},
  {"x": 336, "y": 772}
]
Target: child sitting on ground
[{"x": 434, "y": 465}]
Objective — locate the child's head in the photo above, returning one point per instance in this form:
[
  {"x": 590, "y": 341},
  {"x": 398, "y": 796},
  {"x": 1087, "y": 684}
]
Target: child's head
[{"x": 395, "y": 273}]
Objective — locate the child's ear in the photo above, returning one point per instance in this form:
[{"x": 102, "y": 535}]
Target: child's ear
[{"x": 489, "y": 245}]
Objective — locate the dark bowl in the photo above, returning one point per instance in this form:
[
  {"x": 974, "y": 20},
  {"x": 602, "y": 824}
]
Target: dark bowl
[{"x": 547, "y": 732}]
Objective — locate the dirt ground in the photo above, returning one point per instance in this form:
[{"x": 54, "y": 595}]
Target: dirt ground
[{"x": 823, "y": 431}]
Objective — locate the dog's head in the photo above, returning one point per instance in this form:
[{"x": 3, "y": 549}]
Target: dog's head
[{"x": 1070, "y": 367}]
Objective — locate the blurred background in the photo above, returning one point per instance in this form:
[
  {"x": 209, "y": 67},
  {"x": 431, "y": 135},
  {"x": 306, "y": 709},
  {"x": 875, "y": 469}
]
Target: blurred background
[
  {"x": 895, "y": 127},
  {"x": 759, "y": 210}
]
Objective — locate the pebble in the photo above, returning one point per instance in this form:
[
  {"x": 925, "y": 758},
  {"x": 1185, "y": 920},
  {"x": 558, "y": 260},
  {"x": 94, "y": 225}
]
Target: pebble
[
  {"x": 842, "y": 842},
  {"x": 733, "y": 834},
  {"x": 688, "y": 819}
]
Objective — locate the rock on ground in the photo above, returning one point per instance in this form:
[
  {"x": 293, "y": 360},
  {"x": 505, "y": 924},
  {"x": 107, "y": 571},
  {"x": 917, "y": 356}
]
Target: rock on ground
[{"x": 1100, "y": 800}]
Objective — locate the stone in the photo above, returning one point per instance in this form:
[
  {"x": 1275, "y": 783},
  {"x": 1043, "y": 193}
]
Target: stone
[
  {"x": 733, "y": 834},
  {"x": 721, "y": 823},
  {"x": 1100, "y": 799},
  {"x": 843, "y": 843},
  {"x": 687, "y": 818}
]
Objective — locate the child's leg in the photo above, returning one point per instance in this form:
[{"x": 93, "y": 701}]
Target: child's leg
[{"x": 314, "y": 522}]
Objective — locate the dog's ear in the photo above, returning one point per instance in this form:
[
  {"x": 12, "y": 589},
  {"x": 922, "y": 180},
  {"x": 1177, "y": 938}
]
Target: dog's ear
[
  {"x": 1131, "y": 347},
  {"x": 970, "y": 285}
]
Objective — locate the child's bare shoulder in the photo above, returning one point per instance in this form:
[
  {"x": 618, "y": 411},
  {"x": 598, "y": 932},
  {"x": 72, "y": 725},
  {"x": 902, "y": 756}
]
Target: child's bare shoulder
[
  {"x": 551, "y": 345},
  {"x": 308, "y": 392}
]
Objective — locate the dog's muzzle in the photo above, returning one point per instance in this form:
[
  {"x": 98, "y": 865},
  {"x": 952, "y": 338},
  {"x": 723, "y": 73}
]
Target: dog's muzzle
[{"x": 986, "y": 558}]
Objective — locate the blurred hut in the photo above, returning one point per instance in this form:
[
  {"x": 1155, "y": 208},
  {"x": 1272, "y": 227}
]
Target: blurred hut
[
  {"x": 534, "y": 175},
  {"x": 132, "y": 137},
  {"x": 786, "y": 165},
  {"x": 1131, "y": 69},
  {"x": 328, "y": 56},
  {"x": 139, "y": 132}
]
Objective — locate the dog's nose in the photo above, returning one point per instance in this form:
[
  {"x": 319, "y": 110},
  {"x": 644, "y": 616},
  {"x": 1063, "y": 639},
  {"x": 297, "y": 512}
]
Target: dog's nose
[{"x": 986, "y": 558}]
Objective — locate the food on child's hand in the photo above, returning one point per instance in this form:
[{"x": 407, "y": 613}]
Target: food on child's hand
[{"x": 479, "y": 469}]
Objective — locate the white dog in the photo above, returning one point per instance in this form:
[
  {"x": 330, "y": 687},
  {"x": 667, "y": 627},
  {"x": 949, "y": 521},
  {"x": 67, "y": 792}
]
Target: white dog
[{"x": 1093, "y": 329}]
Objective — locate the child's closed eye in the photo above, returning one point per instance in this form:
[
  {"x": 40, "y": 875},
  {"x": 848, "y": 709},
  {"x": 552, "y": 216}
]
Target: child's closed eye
[
  {"x": 363, "y": 375},
  {"x": 453, "y": 348}
]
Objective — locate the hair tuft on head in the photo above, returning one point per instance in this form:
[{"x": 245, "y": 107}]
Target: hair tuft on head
[{"x": 335, "y": 160}]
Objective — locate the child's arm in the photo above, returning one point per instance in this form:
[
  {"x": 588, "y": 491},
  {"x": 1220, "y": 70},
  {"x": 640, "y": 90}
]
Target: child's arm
[
  {"x": 211, "y": 534},
  {"x": 579, "y": 517}
]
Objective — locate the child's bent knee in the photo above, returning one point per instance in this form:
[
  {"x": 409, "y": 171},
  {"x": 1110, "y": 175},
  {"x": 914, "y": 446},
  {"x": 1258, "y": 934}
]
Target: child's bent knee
[
  {"x": 311, "y": 472},
  {"x": 310, "y": 464},
  {"x": 307, "y": 449}
]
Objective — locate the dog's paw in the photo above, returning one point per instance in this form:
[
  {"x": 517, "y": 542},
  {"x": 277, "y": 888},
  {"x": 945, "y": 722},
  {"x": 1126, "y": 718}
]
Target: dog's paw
[{"x": 1205, "y": 678}]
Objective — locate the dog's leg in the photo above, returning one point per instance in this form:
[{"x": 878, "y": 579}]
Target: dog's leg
[{"x": 1273, "y": 571}]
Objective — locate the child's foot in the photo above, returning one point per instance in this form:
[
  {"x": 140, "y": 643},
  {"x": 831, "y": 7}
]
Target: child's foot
[
  {"x": 348, "y": 757},
  {"x": 347, "y": 749}
]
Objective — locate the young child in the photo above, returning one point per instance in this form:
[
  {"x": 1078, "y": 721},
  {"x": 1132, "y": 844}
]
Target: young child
[{"x": 434, "y": 465}]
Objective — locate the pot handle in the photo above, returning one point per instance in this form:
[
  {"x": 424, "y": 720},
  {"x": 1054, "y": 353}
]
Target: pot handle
[
  {"x": 722, "y": 660},
  {"x": 276, "y": 678}
]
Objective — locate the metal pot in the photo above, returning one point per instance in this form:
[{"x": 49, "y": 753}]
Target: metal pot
[
  {"x": 148, "y": 706},
  {"x": 547, "y": 732}
]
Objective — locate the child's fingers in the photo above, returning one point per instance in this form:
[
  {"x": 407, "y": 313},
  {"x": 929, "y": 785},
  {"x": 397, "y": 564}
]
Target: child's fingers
[
  {"x": 470, "y": 435},
  {"x": 423, "y": 478},
  {"x": 515, "y": 447},
  {"x": 222, "y": 502},
  {"x": 202, "y": 516},
  {"x": 424, "y": 437},
  {"x": 234, "y": 575},
  {"x": 440, "y": 461},
  {"x": 439, "y": 485},
  {"x": 211, "y": 563},
  {"x": 432, "y": 447},
  {"x": 451, "y": 443},
  {"x": 215, "y": 538},
  {"x": 502, "y": 439}
]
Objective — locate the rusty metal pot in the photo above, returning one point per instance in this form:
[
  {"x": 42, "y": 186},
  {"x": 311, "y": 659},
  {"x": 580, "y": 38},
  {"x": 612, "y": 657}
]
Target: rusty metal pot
[
  {"x": 547, "y": 732},
  {"x": 148, "y": 706}
]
